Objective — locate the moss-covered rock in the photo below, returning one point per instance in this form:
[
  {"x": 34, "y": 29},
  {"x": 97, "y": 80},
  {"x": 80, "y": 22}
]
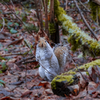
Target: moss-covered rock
[
  {"x": 62, "y": 84},
  {"x": 62, "y": 78}
]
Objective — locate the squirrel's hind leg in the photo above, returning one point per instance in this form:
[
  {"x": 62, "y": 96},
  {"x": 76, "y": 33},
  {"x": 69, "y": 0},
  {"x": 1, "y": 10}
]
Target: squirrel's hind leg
[
  {"x": 42, "y": 72},
  {"x": 50, "y": 75}
]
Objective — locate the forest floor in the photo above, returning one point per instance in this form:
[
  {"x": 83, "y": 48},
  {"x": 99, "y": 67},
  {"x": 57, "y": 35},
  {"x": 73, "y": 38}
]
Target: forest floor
[{"x": 19, "y": 80}]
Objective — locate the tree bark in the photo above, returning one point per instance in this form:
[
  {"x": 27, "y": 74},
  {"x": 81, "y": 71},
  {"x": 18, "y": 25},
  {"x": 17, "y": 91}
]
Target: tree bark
[
  {"x": 46, "y": 18},
  {"x": 55, "y": 35}
]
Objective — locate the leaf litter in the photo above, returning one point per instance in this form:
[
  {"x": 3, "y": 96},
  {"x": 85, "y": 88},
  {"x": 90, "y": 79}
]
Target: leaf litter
[{"x": 22, "y": 81}]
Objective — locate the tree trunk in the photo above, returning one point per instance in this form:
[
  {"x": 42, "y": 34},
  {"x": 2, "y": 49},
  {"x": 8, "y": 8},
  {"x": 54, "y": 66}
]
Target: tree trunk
[
  {"x": 46, "y": 17},
  {"x": 54, "y": 28}
]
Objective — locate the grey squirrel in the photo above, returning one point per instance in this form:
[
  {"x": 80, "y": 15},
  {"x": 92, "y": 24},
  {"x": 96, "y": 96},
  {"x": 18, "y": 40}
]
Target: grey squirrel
[{"x": 51, "y": 61}]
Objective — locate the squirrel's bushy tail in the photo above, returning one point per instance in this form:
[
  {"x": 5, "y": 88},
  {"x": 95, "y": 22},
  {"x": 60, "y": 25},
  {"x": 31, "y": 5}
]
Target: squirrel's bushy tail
[{"x": 61, "y": 52}]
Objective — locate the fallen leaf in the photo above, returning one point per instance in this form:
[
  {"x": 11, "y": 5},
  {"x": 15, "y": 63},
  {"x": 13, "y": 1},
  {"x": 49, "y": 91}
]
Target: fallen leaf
[
  {"x": 16, "y": 42},
  {"x": 27, "y": 93},
  {"x": 48, "y": 91},
  {"x": 43, "y": 84}
]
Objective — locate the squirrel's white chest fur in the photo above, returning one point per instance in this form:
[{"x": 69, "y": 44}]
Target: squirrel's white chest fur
[
  {"x": 49, "y": 66},
  {"x": 42, "y": 53}
]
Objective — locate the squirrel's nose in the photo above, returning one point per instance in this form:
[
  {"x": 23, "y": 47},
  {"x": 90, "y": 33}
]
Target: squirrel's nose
[{"x": 42, "y": 44}]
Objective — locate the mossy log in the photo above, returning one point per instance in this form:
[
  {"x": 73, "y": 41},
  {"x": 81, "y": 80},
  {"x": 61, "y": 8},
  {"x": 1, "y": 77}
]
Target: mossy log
[
  {"x": 95, "y": 9},
  {"x": 72, "y": 82},
  {"x": 96, "y": 1},
  {"x": 77, "y": 37}
]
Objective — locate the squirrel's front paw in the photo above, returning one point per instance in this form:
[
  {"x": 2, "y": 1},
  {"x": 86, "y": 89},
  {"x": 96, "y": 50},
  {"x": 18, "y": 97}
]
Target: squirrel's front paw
[
  {"x": 42, "y": 72},
  {"x": 42, "y": 58}
]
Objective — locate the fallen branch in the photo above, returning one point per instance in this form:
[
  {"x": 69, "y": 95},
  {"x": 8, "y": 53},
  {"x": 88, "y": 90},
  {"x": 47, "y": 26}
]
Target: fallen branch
[
  {"x": 24, "y": 59},
  {"x": 29, "y": 61},
  {"x": 3, "y": 55},
  {"x": 85, "y": 20},
  {"x": 84, "y": 6},
  {"x": 85, "y": 1}
]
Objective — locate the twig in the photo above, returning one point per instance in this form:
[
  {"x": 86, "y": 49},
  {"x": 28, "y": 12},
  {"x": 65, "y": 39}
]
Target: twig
[
  {"x": 13, "y": 54},
  {"x": 84, "y": 6},
  {"x": 26, "y": 76},
  {"x": 12, "y": 4},
  {"x": 37, "y": 11},
  {"x": 25, "y": 41},
  {"x": 3, "y": 24},
  {"x": 79, "y": 70},
  {"x": 44, "y": 5},
  {"x": 85, "y": 21},
  {"x": 66, "y": 5},
  {"x": 85, "y": 2},
  {"x": 24, "y": 59},
  {"x": 97, "y": 29},
  {"x": 28, "y": 62}
]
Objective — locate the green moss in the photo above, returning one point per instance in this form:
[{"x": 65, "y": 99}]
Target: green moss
[
  {"x": 71, "y": 72},
  {"x": 57, "y": 8},
  {"x": 83, "y": 67},
  {"x": 60, "y": 78},
  {"x": 95, "y": 9},
  {"x": 77, "y": 37},
  {"x": 52, "y": 28},
  {"x": 68, "y": 76},
  {"x": 64, "y": 32},
  {"x": 87, "y": 73},
  {"x": 93, "y": 63}
]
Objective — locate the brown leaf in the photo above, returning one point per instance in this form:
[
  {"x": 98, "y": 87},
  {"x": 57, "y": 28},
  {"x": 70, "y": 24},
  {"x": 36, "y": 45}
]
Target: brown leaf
[
  {"x": 17, "y": 83},
  {"x": 43, "y": 84},
  {"x": 27, "y": 93},
  {"x": 92, "y": 87},
  {"x": 94, "y": 73},
  {"x": 49, "y": 91},
  {"x": 16, "y": 42},
  {"x": 6, "y": 93},
  {"x": 7, "y": 98}
]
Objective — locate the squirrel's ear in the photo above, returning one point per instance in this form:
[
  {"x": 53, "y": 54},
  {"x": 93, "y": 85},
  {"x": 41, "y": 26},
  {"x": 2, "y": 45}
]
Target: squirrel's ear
[
  {"x": 37, "y": 37},
  {"x": 46, "y": 38}
]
